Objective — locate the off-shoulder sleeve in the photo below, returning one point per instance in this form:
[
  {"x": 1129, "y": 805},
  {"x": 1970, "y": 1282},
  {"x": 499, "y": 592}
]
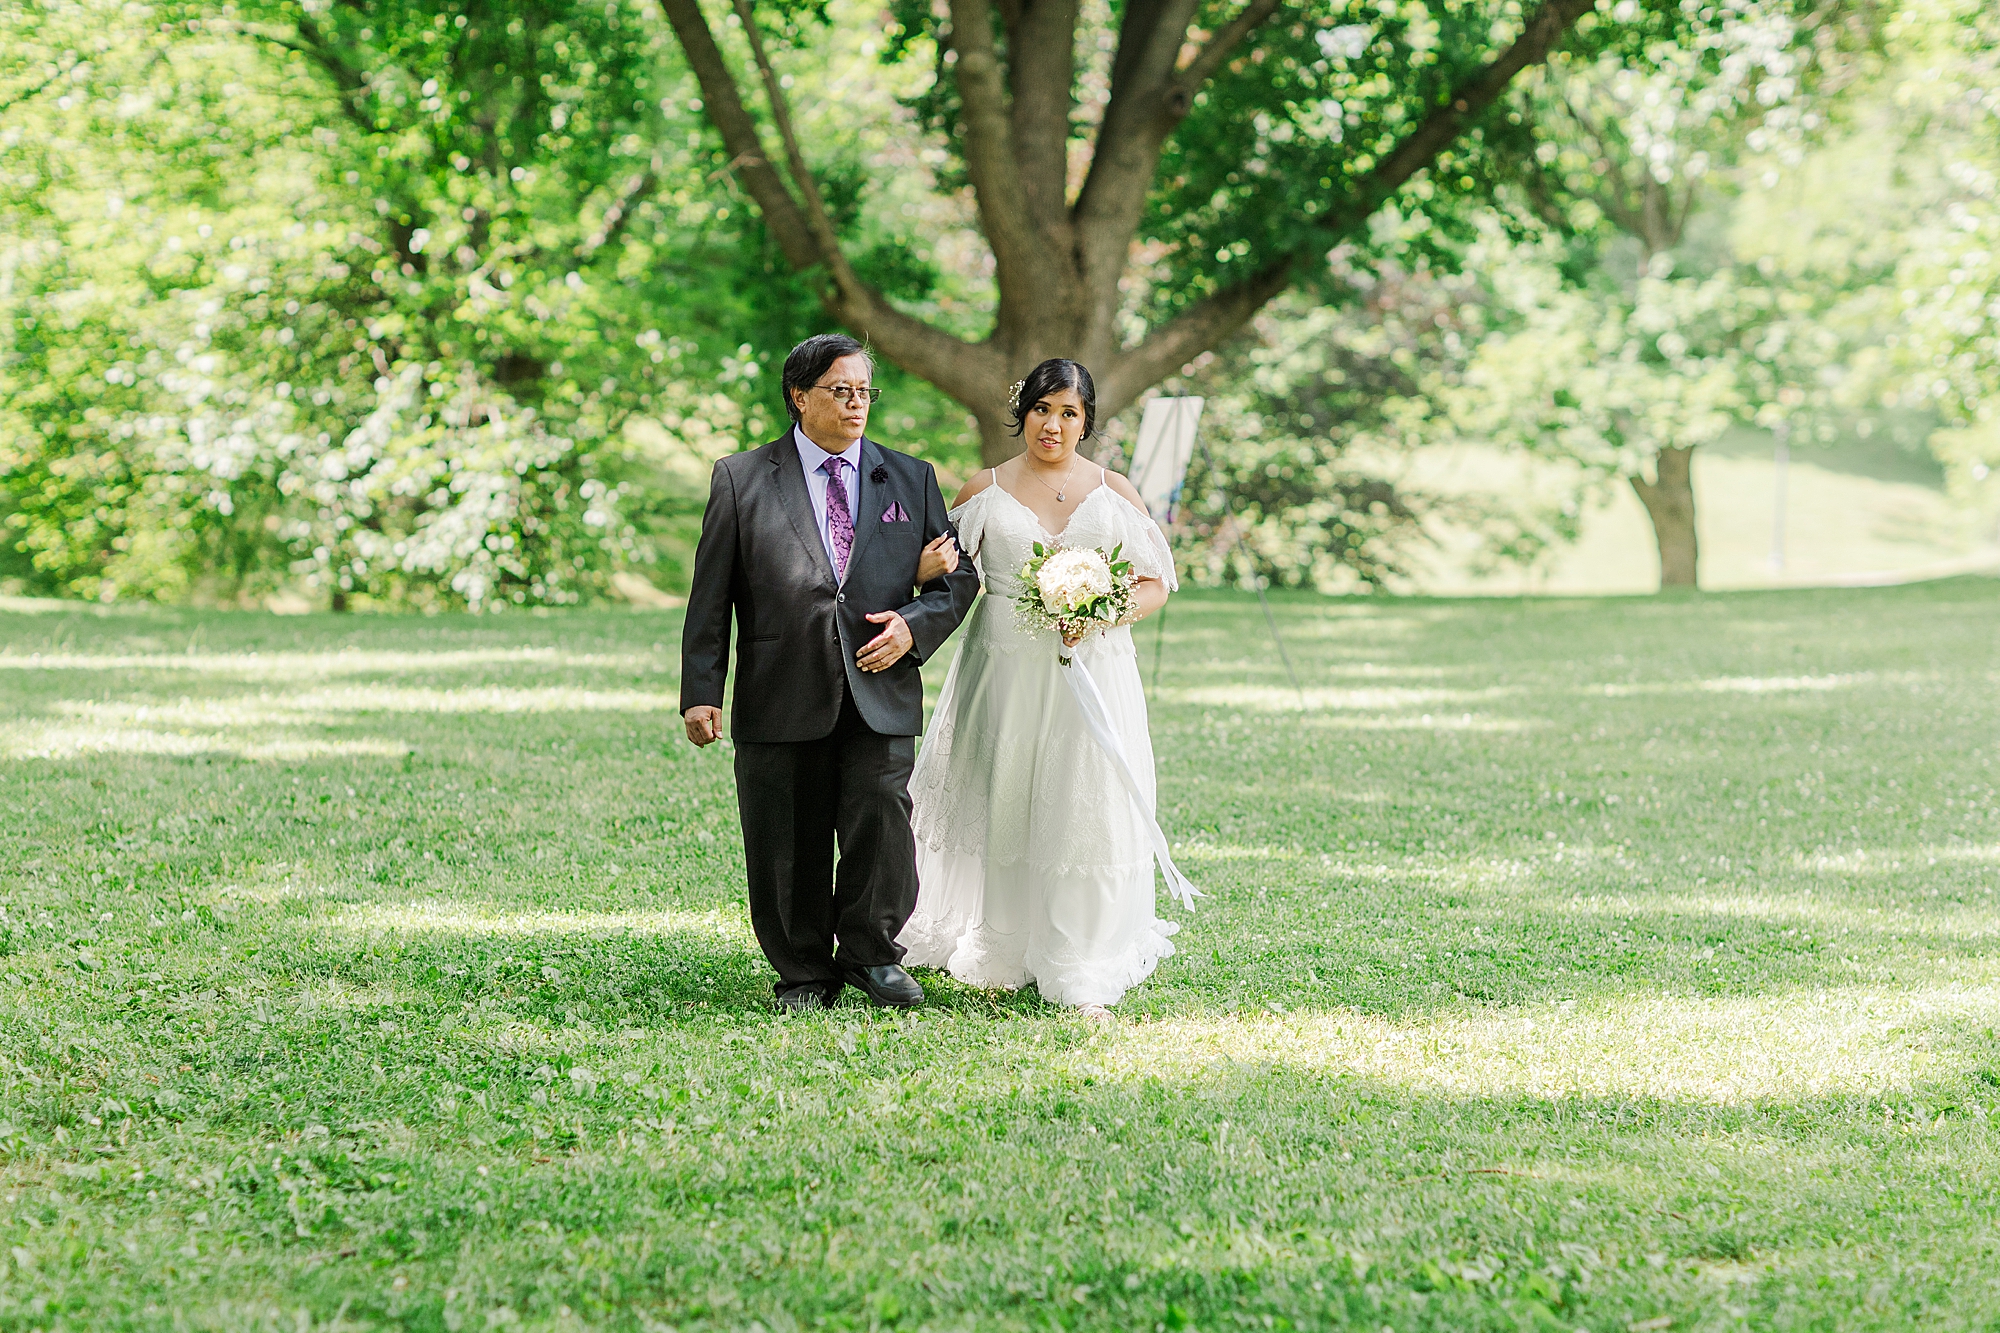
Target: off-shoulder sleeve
[
  {"x": 1145, "y": 545},
  {"x": 970, "y": 520}
]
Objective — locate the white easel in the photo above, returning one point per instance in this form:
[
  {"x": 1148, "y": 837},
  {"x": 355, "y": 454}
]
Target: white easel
[{"x": 1168, "y": 433}]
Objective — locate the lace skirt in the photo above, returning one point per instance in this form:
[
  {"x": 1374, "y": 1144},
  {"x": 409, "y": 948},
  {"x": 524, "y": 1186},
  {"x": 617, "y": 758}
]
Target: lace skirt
[{"x": 1032, "y": 862}]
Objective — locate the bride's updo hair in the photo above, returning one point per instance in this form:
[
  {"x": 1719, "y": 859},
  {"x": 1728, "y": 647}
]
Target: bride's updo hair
[{"x": 1053, "y": 376}]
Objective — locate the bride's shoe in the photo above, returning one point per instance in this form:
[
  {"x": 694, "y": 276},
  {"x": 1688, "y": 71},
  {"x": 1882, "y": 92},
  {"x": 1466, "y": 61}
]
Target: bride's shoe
[{"x": 1096, "y": 1013}]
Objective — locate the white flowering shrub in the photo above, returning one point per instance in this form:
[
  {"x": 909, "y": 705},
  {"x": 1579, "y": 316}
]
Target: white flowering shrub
[{"x": 449, "y": 493}]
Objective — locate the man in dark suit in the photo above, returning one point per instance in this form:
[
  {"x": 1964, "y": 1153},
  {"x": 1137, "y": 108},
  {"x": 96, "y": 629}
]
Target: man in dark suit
[{"x": 814, "y": 542}]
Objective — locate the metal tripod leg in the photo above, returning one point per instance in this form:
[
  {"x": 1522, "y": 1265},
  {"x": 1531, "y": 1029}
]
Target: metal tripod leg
[{"x": 1278, "y": 639}]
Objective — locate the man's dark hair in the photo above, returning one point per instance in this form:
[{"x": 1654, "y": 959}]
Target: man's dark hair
[
  {"x": 810, "y": 359},
  {"x": 1053, "y": 376}
]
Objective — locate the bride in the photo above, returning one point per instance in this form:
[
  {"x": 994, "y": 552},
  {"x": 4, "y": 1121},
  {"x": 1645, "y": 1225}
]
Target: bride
[{"x": 1034, "y": 862}]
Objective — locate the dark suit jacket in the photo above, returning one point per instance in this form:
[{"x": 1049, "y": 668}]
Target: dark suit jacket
[{"x": 761, "y": 557}]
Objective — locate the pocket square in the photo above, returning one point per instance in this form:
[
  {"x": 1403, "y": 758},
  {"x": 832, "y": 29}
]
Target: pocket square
[{"x": 895, "y": 514}]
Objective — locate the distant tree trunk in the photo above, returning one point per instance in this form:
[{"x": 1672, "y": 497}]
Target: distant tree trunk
[{"x": 1669, "y": 500}]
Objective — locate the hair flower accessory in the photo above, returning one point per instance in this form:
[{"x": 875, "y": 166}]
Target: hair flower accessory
[{"x": 880, "y": 475}]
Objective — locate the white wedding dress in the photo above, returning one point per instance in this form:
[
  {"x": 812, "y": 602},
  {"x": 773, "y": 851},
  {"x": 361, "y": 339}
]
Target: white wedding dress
[{"x": 1033, "y": 863}]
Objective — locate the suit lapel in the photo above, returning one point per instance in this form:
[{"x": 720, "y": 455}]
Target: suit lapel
[
  {"x": 798, "y": 504},
  {"x": 869, "y": 506}
]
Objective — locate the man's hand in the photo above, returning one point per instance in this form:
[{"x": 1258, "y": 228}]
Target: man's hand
[
  {"x": 887, "y": 648},
  {"x": 704, "y": 724},
  {"x": 939, "y": 559}
]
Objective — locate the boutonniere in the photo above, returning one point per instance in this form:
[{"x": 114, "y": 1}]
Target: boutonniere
[{"x": 879, "y": 475}]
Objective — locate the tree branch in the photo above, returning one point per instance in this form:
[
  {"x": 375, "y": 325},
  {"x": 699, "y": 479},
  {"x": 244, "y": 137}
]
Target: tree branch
[
  {"x": 1545, "y": 28},
  {"x": 1613, "y": 200},
  {"x": 1215, "y": 317},
  {"x": 1126, "y": 153},
  {"x": 781, "y": 114},
  {"x": 317, "y": 47},
  {"x": 1041, "y": 73},
  {"x": 1210, "y": 58},
  {"x": 619, "y": 215},
  {"x": 33, "y": 90},
  {"x": 314, "y": 46},
  {"x": 989, "y": 146},
  {"x": 1201, "y": 326},
  {"x": 806, "y": 236},
  {"x": 740, "y": 137}
]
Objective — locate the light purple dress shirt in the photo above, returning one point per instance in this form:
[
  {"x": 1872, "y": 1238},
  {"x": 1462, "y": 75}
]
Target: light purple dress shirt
[{"x": 813, "y": 458}]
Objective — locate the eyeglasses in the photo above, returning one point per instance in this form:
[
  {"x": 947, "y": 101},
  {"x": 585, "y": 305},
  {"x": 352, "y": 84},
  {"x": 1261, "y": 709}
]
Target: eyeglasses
[{"x": 845, "y": 392}]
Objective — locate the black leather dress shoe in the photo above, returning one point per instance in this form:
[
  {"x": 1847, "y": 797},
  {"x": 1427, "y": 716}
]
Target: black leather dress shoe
[
  {"x": 887, "y": 984},
  {"x": 803, "y": 1000}
]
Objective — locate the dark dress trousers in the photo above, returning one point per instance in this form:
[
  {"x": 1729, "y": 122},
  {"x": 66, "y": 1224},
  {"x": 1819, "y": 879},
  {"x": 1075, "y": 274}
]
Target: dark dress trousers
[{"x": 823, "y": 749}]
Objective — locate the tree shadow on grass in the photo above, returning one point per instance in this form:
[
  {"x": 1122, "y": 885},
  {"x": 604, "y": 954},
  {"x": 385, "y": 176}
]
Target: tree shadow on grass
[
  {"x": 1407, "y": 937},
  {"x": 645, "y": 968},
  {"x": 1231, "y": 1192},
  {"x": 642, "y": 967}
]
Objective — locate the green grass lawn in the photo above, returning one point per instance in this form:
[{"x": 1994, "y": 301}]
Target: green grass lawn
[{"x": 1621, "y": 964}]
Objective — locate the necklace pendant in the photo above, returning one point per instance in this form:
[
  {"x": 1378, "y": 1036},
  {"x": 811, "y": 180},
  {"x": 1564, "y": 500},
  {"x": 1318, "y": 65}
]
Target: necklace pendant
[{"x": 1060, "y": 497}]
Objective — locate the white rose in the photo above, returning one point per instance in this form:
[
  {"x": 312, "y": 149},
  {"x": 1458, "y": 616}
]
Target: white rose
[{"x": 1068, "y": 579}]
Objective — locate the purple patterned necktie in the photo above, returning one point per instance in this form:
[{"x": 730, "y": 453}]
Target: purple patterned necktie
[{"x": 839, "y": 518}]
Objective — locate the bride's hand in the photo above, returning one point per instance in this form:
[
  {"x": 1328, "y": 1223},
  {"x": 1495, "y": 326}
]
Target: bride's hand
[
  {"x": 939, "y": 559},
  {"x": 1072, "y": 640}
]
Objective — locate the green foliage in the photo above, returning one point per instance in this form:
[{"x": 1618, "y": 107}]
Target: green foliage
[
  {"x": 1608, "y": 373},
  {"x": 1602, "y": 311},
  {"x": 1599, "y": 961},
  {"x": 1278, "y": 147},
  {"x": 1946, "y": 354},
  {"x": 409, "y": 305},
  {"x": 1274, "y": 492},
  {"x": 1630, "y": 324},
  {"x": 1306, "y": 415}
]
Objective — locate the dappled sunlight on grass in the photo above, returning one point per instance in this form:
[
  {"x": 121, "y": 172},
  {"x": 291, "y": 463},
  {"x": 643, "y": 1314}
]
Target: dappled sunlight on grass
[
  {"x": 1988, "y": 854},
  {"x": 1796, "y": 1045},
  {"x": 294, "y": 709},
  {"x": 336, "y": 995},
  {"x": 454, "y": 918},
  {"x": 1891, "y": 860},
  {"x": 312, "y": 666},
  {"x": 1225, "y": 851},
  {"x": 1394, "y": 671},
  {"x": 269, "y": 726},
  {"x": 31, "y": 740},
  {"x": 1463, "y": 722},
  {"x": 1512, "y": 996},
  {"x": 1335, "y": 703},
  {"x": 1761, "y": 684},
  {"x": 1377, "y": 698},
  {"x": 1803, "y": 908}
]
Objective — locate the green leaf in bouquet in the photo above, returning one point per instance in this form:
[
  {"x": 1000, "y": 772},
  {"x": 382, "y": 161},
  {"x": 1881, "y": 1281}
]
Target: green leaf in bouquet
[{"x": 1039, "y": 552}]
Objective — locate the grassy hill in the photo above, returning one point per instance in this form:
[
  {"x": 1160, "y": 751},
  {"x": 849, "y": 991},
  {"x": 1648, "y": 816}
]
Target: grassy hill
[{"x": 1858, "y": 511}]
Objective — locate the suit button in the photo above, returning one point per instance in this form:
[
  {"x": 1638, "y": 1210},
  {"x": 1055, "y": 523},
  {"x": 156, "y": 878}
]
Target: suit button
[{"x": 841, "y": 597}]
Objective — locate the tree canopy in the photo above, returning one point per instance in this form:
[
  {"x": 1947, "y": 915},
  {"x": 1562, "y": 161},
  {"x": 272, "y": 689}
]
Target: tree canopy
[
  {"x": 402, "y": 303},
  {"x": 1148, "y": 177}
]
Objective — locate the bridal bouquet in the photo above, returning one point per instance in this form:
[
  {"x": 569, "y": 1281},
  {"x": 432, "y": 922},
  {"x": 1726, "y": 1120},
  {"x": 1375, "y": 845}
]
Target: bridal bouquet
[{"x": 1075, "y": 590}]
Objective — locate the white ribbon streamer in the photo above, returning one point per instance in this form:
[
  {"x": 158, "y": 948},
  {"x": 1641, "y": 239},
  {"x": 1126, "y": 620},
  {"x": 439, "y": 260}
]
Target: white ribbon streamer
[{"x": 1097, "y": 718}]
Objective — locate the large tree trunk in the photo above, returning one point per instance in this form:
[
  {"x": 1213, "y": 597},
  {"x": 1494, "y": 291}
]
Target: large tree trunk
[
  {"x": 1669, "y": 501},
  {"x": 1059, "y": 264}
]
